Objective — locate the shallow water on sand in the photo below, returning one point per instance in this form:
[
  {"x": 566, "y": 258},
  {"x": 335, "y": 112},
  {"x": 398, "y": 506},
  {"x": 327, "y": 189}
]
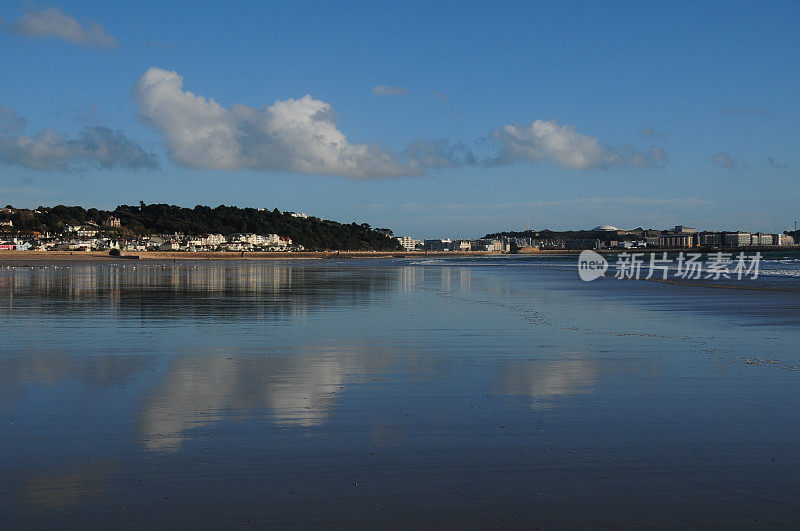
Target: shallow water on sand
[{"x": 458, "y": 392}]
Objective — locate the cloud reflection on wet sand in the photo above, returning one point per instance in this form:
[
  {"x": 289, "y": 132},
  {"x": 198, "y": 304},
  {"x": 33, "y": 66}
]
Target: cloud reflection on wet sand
[
  {"x": 547, "y": 381},
  {"x": 200, "y": 390}
]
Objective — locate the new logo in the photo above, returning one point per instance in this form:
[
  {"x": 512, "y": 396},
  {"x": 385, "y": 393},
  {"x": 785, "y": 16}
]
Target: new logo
[{"x": 591, "y": 265}]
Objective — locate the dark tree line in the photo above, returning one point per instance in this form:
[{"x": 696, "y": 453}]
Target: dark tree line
[{"x": 312, "y": 233}]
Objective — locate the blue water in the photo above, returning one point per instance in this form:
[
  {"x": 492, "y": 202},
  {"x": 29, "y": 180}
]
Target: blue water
[
  {"x": 411, "y": 393},
  {"x": 777, "y": 270}
]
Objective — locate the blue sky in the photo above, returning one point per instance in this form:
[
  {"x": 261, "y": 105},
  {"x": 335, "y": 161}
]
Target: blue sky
[{"x": 431, "y": 118}]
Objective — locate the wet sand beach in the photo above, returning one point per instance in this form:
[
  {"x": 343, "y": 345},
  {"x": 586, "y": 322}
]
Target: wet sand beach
[{"x": 413, "y": 393}]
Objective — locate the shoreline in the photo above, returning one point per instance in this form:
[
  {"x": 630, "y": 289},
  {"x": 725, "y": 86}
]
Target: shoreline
[
  {"x": 52, "y": 256},
  {"x": 45, "y": 256}
]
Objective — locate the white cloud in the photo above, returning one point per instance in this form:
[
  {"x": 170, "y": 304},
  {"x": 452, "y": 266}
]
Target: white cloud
[
  {"x": 561, "y": 144},
  {"x": 300, "y": 136},
  {"x": 49, "y": 149},
  {"x": 53, "y": 22},
  {"x": 291, "y": 135},
  {"x": 725, "y": 160},
  {"x": 383, "y": 90}
]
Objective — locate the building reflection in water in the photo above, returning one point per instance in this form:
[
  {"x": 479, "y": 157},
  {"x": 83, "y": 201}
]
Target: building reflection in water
[
  {"x": 411, "y": 277},
  {"x": 127, "y": 286},
  {"x": 407, "y": 279},
  {"x": 185, "y": 289}
]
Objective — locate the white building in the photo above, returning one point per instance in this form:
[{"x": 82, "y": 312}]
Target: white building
[
  {"x": 408, "y": 243},
  {"x": 487, "y": 245},
  {"x": 760, "y": 238},
  {"x": 677, "y": 241},
  {"x": 212, "y": 240},
  {"x": 74, "y": 245},
  {"x": 238, "y": 246},
  {"x": 738, "y": 239},
  {"x": 135, "y": 246},
  {"x": 105, "y": 244},
  {"x": 87, "y": 232},
  {"x": 250, "y": 238}
]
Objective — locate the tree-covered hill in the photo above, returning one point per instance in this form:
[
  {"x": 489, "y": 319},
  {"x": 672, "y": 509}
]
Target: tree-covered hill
[{"x": 312, "y": 233}]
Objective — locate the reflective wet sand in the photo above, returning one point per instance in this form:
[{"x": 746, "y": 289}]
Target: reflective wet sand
[{"x": 459, "y": 393}]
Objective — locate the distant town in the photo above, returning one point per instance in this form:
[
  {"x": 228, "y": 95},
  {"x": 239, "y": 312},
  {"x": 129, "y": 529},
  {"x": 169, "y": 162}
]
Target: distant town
[
  {"x": 161, "y": 227},
  {"x": 94, "y": 237},
  {"x": 110, "y": 234},
  {"x": 604, "y": 237}
]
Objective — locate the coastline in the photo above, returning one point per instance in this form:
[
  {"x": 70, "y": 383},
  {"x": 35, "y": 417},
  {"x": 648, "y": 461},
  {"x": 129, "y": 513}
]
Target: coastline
[{"x": 60, "y": 256}]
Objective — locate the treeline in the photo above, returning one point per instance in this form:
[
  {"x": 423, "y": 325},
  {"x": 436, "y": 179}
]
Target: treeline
[{"x": 312, "y": 233}]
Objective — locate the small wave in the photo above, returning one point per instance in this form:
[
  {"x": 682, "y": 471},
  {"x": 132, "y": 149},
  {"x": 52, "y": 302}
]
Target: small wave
[
  {"x": 780, "y": 272},
  {"x": 432, "y": 261}
]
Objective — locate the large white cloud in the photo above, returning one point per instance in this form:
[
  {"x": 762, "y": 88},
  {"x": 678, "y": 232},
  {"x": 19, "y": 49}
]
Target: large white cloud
[
  {"x": 561, "y": 144},
  {"x": 294, "y": 135},
  {"x": 300, "y": 135},
  {"x": 49, "y": 149},
  {"x": 53, "y": 22}
]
